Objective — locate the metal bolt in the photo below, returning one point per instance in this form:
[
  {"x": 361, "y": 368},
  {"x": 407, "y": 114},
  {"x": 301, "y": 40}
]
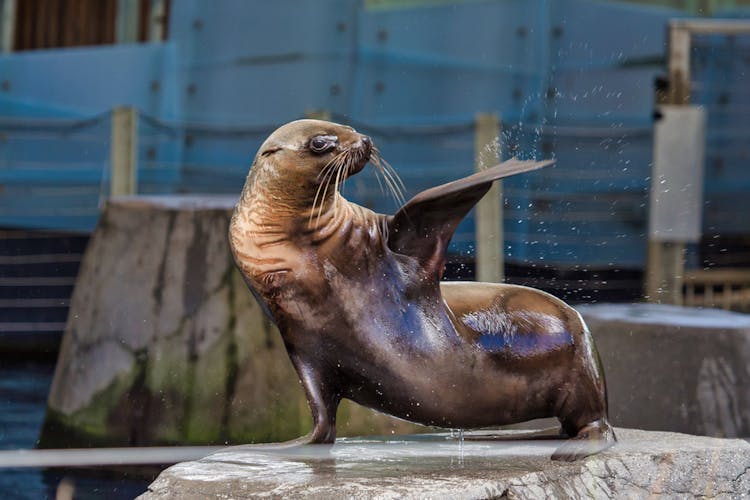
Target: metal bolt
[
  {"x": 155, "y": 86},
  {"x": 521, "y": 32},
  {"x": 341, "y": 27},
  {"x": 335, "y": 89},
  {"x": 192, "y": 89},
  {"x": 197, "y": 24},
  {"x": 5, "y": 85},
  {"x": 382, "y": 35},
  {"x": 379, "y": 87},
  {"x": 557, "y": 31}
]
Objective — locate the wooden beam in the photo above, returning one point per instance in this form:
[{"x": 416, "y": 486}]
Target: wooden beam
[
  {"x": 127, "y": 21},
  {"x": 490, "y": 264},
  {"x": 124, "y": 148},
  {"x": 318, "y": 114},
  {"x": 156, "y": 20},
  {"x": 679, "y": 65},
  {"x": 7, "y": 25}
]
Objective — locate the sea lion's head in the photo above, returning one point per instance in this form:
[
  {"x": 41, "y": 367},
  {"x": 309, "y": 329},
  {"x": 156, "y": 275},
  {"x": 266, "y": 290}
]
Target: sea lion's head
[
  {"x": 302, "y": 165},
  {"x": 314, "y": 151}
]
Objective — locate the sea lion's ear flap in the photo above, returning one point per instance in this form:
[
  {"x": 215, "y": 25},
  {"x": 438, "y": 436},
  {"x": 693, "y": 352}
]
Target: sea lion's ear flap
[
  {"x": 270, "y": 150},
  {"x": 424, "y": 226}
]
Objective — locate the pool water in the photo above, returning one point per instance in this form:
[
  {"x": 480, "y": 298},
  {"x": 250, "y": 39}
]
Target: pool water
[{"x": 23, "y": 396}]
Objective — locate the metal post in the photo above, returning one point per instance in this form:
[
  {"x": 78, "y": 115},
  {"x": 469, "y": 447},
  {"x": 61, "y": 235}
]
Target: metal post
[
  {"x": 124, "y": 150},
  {"x": 7, "y": 25},
  {"x": 489, "y": 217}
]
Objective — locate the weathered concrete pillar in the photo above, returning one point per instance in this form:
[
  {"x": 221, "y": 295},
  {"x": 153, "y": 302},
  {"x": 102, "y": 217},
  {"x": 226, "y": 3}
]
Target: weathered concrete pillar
[{"x": 165, "y": 344}]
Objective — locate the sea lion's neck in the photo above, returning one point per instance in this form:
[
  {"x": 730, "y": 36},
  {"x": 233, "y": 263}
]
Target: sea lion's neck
[
  {"x": 277, "y": 216},
  {"x": 290, "y": 209}
]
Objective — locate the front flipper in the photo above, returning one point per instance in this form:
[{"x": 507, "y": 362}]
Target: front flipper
[
  {"x": 423, "y": 227},
  {"x": 323, "y": 399}
]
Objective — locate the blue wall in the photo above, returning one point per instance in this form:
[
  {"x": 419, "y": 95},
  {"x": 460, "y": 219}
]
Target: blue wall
[{"x": 570, "y": 79}]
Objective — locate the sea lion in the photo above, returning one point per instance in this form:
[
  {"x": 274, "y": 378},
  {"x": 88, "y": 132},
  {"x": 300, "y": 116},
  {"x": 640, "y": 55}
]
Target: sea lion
[{"x": 358, "y": 300}]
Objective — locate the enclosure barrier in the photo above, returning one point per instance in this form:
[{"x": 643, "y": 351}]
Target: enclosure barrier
[
  {"x": 70, "y": 167},
  {"x": 665, "y": 272},
  {"x": 720, "y": 288}
]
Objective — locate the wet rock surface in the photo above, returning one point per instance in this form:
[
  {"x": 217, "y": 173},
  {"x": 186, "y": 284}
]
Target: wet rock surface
[{"x": 642, "y": 465}]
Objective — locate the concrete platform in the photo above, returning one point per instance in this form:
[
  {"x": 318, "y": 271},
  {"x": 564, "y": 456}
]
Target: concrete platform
[
  {"x": 677, "y": 369},
  {"x": 643, "y": 464}
]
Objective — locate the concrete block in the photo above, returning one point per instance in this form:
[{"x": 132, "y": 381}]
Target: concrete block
[{"x": 675, "y": 368}]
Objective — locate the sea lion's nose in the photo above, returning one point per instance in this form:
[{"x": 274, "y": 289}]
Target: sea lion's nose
[{"x": 366, "y": 143}]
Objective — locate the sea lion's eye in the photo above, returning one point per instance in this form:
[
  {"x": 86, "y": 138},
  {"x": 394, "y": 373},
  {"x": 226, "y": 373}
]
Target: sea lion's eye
[{"x": 322, "y": 143}]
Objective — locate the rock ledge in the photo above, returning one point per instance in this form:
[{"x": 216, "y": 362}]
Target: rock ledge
[{"x": 644, "y": 463}]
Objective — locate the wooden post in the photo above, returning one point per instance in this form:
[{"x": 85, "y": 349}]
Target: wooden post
[
  {"x": 318, "y": 114},
  {"x": 126, "y": 27},
  {"x": 157, "y": 21},
  {"x": 490, "y": 262},
  {"x": 7, "y": 25},
  {"x": 679, "y": 65},
  {"x": 666, "y": 259},
  {"x": 665, "y": 272},
  {"x": 123, "y": 152}
]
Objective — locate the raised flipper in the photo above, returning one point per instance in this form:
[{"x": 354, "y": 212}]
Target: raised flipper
[{"x": 423, "y": 227}]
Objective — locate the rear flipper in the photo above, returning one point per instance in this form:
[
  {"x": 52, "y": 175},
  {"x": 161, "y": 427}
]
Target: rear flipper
[{"x": 592, "y": 438}]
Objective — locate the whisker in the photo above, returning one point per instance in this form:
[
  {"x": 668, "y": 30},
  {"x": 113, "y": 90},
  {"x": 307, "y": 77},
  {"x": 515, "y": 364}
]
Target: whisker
[
  {"x": 389, "y": 176},
  {"x": 340, "y": 162},
  {"x": 326, "y": 173},
  {"x": 339, "y": 170},
  {"x": 329, "y": 178},
  {"x": 392, "y": 170},
  {"x": 380, "y": 183}
]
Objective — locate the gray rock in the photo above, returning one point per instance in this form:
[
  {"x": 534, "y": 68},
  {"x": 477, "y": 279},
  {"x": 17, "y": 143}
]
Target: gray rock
[
  {"x": 643, "y": 464},
  {"x": 675, "y": 368}
]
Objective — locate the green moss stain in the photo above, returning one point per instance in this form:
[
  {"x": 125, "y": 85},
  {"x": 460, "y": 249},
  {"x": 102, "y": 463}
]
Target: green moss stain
[
  {"x": 92, "y": 425},
  {"x": 232, "y": 370},
  {"x": 158, "y": 289}
]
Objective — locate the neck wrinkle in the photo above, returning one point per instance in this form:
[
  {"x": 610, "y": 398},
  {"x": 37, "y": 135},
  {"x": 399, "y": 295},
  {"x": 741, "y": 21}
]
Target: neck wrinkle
[{"x": 271, "y": 211}]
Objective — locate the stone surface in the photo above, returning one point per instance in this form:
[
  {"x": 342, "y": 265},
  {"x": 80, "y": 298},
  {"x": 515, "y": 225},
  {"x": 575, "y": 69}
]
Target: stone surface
[
  {"x": 642, "y": 465},
  {"x": 675, "y": 368},
  {"x": 165, "y": 344}
]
